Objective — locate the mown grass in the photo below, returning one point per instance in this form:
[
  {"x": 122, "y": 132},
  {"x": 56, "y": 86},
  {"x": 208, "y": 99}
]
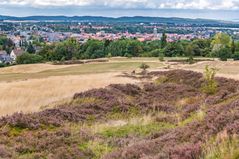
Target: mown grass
[{"x": 91, "y": 68}]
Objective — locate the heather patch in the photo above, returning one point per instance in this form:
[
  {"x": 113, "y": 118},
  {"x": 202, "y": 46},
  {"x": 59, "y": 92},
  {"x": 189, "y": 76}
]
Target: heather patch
[{"x": 167, "y": 118}]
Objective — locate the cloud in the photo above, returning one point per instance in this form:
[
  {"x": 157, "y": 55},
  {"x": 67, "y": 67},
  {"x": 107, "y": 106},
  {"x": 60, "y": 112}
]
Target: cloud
[{"x": 130, "y": 4}]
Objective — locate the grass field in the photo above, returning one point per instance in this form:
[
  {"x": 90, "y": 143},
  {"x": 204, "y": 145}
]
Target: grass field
[
  {"x": 73, "y": 70},
  {"x": 27, "y": 88}
]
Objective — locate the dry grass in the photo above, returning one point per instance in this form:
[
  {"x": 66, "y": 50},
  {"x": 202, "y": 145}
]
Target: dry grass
[
  {"x": 30, "y": 95},
  {"x": 26, "y": 88},
  {"x": 228, "y": 69},
  {"x": 80, "y": 69},
  {"x": 34, "y": 68}
]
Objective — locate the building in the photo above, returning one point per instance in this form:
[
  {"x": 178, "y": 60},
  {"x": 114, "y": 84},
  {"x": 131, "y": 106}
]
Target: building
[
  {"x": 15, "y": 53},
  {"x": 4, "y": 57},
  {"x": 155, "y": 32}
]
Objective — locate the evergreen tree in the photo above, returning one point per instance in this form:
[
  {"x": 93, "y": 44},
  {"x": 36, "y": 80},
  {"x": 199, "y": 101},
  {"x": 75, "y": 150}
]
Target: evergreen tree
[
  {"x": 233, "y": 47},
  {"x": 31, "y": 49},
  {"x": 163, "y": 41}
]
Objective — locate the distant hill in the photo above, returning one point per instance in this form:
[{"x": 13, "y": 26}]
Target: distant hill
[{"x": 136, "y": 19}]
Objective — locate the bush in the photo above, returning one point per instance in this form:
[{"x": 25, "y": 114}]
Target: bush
[
  {"x": 224, "y": 53},
  {"x": 144, "y": 66},
  {"x": 190, "y": 60},
  {"x": 155, "y": 53},
  {"x": 161, "y": 56},
  {"x": 236, "y": 56},
  {"x": 210, "y": 85},
  {"x": 2, "y": 65},
  {"x": 128, "y": 55},
  {"x": 27, "y": 58}
]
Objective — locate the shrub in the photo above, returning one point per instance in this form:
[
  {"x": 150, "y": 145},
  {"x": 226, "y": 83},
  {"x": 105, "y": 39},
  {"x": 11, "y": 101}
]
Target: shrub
[
  {"x": 210, "y": 84},
  {"x": 190, "y": 60},
  {"x": 155, "y": 53},
  {"x": 128, "y": 55},
  {"x": 2, "y": 65},
  {"x": 27, "y": 58},
  {"x": 161, "y": 80},
  {"x": 109, "y": 55},
  {"x": 236, "y": 56},
  {"x": 161, "y": 57},
  {"x": 224, "y": 53},
  {"x": 144, "y": 66}
]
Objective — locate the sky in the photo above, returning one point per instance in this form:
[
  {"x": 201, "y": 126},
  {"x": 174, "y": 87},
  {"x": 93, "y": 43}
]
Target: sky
[{"x": 209, "y": 9}]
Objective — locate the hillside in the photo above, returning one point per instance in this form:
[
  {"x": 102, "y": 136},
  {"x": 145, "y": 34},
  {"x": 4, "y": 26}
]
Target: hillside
[
  {"x": 136, "y": 19},
  {"x": 169, "y": 117}
]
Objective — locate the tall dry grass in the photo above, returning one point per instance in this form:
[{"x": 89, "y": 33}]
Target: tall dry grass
[{"x": 30, "y": 95}]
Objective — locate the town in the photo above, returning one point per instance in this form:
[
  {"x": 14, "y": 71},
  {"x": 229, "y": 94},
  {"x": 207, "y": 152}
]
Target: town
[{"x": 30, "y": 36}]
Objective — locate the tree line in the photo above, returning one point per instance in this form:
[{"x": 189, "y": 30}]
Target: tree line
[{"x": 221, "y": 46}]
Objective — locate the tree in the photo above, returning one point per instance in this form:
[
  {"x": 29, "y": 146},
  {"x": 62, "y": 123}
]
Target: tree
[
  {"x": 134, "y": 47},
  {"x": 118, "y": 47},
  {"x": 190, "y": 53},
  {"x": 6, "y": 44},
  {"x": 152, "y": 45},
  {"x": 155, "y": 53},
  {"x": 144, "y": 67},
  {"x": 27, "y": 58},
  {"x": 66, "y": 49},
  {"x": 224, "y": 53},
  {"x": 163, "y": 41},
  {"x": 93, "y": 49},
  {"x": 201, "y": 47},
  {"x": 31, "y": 49},
  {"x": 236, "y": 56},
  {"x": 161, "y": 56},
  {"x": 221, "y": 40},
  {"x": 174, "y": 49},
  {"x": 233, "y": 47}
]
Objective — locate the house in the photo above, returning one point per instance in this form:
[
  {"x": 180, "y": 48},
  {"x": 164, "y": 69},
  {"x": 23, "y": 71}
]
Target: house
[
  {"x": 15, "y": 53},
  {"x": 4, "y": 57}
]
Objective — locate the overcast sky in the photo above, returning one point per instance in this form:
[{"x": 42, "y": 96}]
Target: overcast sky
[{"x": 213, "y": 9}]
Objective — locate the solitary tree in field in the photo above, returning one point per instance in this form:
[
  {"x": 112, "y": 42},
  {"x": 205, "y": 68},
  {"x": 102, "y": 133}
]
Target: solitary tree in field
[{"x": 144, "y": 68}]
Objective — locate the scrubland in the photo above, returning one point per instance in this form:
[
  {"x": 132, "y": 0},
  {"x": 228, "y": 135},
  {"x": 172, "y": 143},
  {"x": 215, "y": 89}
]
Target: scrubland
[{"x": 168, "y": 116}]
